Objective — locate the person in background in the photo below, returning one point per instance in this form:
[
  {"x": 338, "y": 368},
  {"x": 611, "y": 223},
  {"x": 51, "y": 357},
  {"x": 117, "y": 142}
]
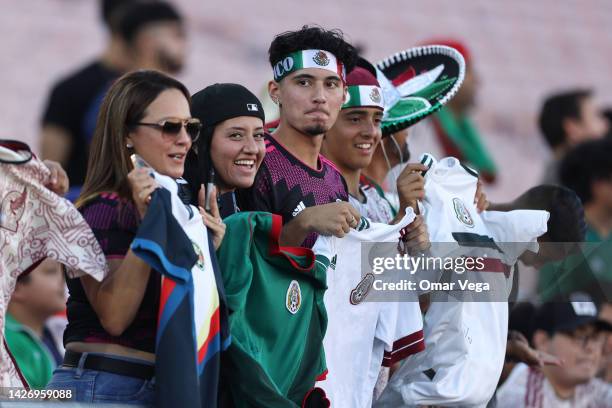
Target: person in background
[
  {"x": 567, "y": 119},
  {"x": 141, "y": 35},
  {"x": 37, "y": 296},
  {"x": 231, "y": 146},
  {"x": 587, "y": 170},
  {"x": 571, "y": 331},
  {"x": 566, "y": 230}
]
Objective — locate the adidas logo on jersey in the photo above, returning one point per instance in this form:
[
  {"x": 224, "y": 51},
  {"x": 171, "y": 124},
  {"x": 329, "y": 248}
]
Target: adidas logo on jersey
[{"x": 300, "y": 207}]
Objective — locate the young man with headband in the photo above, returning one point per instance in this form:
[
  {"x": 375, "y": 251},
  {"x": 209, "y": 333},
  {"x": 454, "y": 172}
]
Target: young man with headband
[
  {"x": 351, "y": 142},
  {"x": 294, "y": 180},
  {"x": 355, "y": 365}
]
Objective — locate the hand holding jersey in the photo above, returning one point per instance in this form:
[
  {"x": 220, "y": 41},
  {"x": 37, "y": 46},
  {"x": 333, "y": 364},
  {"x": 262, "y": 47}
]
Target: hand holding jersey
[
  {"x": 333, "y": 219},
  {"x": 411, "y": 185},
  {"x": 415, "y": 236},
  {"x": 142, "y": 186},
  {"x": 382, "y": 332}
]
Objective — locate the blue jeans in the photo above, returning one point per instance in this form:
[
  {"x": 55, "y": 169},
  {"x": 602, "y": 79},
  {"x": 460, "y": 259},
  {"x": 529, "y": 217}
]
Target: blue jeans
[{"x": 95, "y": 386}]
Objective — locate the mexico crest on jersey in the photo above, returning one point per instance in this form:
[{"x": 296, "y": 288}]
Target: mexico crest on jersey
[
  {"x": 361, "y": 290},
  {"x": 293, "y": 300},
  {"x": 200, "y": 255},
  {"x": 321, "y": 58},
  {"x": 462, "y": 213}
]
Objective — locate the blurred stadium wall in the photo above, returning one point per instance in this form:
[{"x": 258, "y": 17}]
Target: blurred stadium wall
[{"x": 522, "y": 50}]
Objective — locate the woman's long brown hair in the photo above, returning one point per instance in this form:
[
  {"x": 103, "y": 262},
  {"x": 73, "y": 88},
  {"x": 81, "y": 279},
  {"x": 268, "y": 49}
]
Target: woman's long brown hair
[{"x": 124, "y": 105}]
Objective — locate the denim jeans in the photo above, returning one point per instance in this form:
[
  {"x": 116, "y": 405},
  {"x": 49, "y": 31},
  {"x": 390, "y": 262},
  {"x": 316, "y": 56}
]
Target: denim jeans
[{"x": 95, "y": 386}]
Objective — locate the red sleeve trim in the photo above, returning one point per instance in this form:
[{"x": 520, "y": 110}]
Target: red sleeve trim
[
  {"x": 403, "y": 348},
  {"x": 277, "y": 250},
  {"x": 407, "y": 340},
  {"x": 494, "y": 265},
  {"x": 322, "y": 376}
]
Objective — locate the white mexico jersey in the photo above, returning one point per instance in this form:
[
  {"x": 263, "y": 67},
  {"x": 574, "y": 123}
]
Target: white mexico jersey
[
  {"x": 465, "y": 340},
  {"x": 363, "y": 335}
]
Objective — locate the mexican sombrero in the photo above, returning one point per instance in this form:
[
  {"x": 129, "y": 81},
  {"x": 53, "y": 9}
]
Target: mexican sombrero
[{"x": 417, "y": 82}]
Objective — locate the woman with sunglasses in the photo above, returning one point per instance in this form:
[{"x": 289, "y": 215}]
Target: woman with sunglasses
[
  {"x": 231, "y": 147},
  {"x": 110, "y": 337}
]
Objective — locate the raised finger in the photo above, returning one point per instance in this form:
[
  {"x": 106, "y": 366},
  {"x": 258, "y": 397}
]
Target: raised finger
[
  {"x": 478, "y": 191},
  {"x": 202, "y": 196},
  {"x": 483, "y": 204}
]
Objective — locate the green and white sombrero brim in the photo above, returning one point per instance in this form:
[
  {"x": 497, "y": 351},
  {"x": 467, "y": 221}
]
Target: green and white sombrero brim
[{"x": 418, "y": 82}]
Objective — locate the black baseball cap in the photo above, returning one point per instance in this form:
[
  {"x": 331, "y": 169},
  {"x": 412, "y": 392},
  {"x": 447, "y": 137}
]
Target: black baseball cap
[
  {"x": 219, "y": 102},
  {"x": 568, "y": 315}
]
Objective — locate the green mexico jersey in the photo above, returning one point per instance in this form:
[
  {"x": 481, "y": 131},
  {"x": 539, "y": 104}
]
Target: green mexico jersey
[{"x": 278, "y": 318}]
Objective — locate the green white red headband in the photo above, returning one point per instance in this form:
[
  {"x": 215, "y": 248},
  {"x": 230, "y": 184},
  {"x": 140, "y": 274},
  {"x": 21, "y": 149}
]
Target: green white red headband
[
  {"x": 308, "y": 59},
  {"x": 364, "y": 95}
]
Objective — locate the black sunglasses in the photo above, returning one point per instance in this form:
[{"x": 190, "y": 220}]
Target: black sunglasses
[{"x": 173, "y": 128}]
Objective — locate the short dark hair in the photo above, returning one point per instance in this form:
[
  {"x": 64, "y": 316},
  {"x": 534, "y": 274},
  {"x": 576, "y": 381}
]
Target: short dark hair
[
  {"x": 556, "y": 109},
  {"x": 313, "y": 37},
  {"x": 585, "y": 164},
  {"x": 566, "y": 222},
  {"x": 108, "y": 11},
  {"x": 133, "y": 17}
]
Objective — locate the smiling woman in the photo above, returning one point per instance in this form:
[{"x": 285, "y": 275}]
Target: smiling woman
[
  {"x": 232, "y": 146},
  {"x": 110, "y": 337}
]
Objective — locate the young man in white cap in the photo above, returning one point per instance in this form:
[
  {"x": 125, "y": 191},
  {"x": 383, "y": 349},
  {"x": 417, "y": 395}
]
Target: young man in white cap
[{"x": 571, "y": 331}]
